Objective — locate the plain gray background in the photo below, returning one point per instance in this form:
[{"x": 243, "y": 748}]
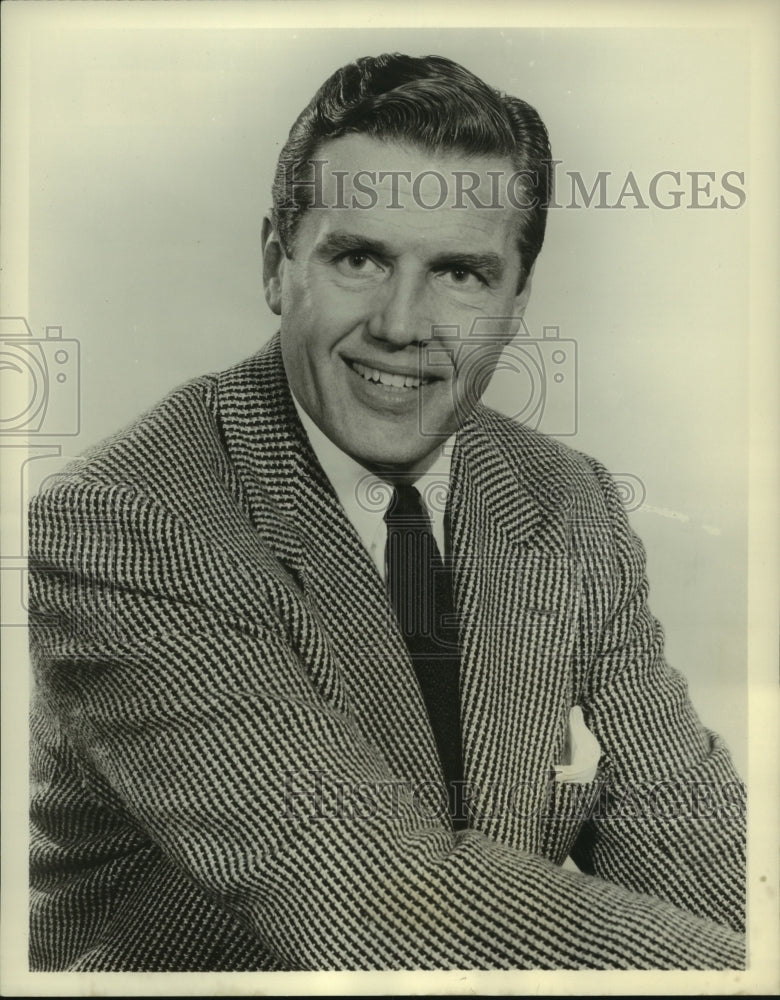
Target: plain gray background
[{"x": 151, "y": 156}]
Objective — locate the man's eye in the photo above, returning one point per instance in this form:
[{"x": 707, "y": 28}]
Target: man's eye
[
  {"x": 357, "y": 265},
  {"x": 463, "y": 277}
]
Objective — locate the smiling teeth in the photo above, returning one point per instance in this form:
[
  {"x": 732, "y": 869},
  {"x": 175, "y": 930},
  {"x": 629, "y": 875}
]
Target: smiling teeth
[{"x": 388, "y": 378}]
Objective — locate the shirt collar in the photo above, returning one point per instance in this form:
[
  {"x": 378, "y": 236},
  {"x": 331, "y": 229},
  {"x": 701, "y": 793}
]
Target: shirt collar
[{"x": 364, "y": 496}]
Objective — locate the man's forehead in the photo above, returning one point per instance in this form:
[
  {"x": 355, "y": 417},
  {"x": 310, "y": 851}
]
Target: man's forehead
[
  {"x": 392, "y": 166},
  {"x": 393, "y": 192}
]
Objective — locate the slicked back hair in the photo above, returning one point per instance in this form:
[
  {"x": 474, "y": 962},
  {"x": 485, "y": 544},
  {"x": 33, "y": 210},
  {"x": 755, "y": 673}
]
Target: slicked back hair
[{"x": 430, "y": 102}]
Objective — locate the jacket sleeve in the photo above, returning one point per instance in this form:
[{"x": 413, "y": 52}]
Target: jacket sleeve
[
  {"x": 671, "y": 817},
  {"x": 191, "y": 721}
]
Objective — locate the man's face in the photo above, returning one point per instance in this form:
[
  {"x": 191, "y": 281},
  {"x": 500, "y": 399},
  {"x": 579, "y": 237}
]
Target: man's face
[{"x": 378, "y": 304}]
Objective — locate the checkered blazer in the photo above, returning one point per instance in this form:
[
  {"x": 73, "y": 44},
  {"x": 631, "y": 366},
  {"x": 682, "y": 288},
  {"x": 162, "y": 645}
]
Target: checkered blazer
[{"x": 232, "y": 764}]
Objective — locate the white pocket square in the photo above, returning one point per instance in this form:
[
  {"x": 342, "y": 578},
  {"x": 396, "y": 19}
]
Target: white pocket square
[{"x": 581, "y": 752}]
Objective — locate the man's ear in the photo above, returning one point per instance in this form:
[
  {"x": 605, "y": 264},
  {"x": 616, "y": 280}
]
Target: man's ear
[{"x": 274, "y": 259}]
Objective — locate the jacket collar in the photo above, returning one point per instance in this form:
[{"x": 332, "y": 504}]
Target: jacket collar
[{"x": 500, "y": 470}]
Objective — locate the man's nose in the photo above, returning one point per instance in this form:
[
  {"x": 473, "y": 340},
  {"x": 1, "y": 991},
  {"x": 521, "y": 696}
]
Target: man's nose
[{"x": 400, "y": 316}]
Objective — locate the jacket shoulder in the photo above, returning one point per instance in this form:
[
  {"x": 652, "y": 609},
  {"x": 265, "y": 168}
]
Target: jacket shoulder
[
  {"x": 167, "y": 442},
  {"x": 161, "y": 487},
  {"x": 547, "y": 467},
  {"x": 158, "y": 504}
]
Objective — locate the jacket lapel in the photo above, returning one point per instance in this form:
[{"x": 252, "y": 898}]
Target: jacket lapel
[
  {"x": 516, "y": 586},
  {"x": 297, "y": 513}
]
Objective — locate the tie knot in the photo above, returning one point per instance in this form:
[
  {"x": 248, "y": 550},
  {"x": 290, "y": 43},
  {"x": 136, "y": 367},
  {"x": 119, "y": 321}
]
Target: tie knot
[{"x": 406, "y": 505}]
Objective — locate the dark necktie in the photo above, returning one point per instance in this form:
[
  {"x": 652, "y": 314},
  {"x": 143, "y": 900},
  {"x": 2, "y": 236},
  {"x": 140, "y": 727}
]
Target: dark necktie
[{"x": 421, "y": 593}]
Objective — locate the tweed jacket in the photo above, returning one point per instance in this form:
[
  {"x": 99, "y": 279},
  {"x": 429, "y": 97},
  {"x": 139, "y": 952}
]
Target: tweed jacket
[{"x": 232, "y": 763}]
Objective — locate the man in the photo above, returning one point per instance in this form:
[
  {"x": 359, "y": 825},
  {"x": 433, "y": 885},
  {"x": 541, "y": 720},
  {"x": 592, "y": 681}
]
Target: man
[{"x": 289, "y": 715}]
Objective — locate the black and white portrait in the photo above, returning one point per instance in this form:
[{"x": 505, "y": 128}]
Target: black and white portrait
[{"x": 377, "y": 457}]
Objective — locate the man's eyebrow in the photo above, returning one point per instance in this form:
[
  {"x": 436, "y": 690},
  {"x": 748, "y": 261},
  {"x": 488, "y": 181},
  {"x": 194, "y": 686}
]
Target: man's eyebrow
[{"x": 340, "y": 241}]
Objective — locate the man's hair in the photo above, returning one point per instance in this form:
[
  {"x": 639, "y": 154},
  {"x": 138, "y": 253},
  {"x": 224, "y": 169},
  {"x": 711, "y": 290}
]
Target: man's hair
[{"x": 433, "y": 103}]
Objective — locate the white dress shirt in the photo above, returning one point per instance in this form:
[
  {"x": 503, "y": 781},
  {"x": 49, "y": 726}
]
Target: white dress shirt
[{"x": 365, "y": 497}]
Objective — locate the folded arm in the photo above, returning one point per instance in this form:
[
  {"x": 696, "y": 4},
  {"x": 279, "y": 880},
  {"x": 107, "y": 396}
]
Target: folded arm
[
  {"x": 671, "y": 821},
  {"x": 196, "y": 724}
]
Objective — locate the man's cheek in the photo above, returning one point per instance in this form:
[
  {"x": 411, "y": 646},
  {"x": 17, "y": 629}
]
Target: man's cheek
[
  {"x": 339, "y": 308},
  {"x": 310, "y": 291},
  {"x": 474, "y": 368}
]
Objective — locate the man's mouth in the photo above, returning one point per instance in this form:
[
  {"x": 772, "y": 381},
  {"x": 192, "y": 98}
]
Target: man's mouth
[{"x": 396, "y": 380}]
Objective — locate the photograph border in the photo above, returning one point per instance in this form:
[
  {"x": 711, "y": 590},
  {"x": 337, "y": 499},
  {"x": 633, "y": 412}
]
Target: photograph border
[{"x": 762, "y": 19}]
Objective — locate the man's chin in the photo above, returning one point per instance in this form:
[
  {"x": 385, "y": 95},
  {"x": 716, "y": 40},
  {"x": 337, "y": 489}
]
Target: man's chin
[
  {"x": 391, "y": 447},
  {"x": 395, "y": 462}
]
